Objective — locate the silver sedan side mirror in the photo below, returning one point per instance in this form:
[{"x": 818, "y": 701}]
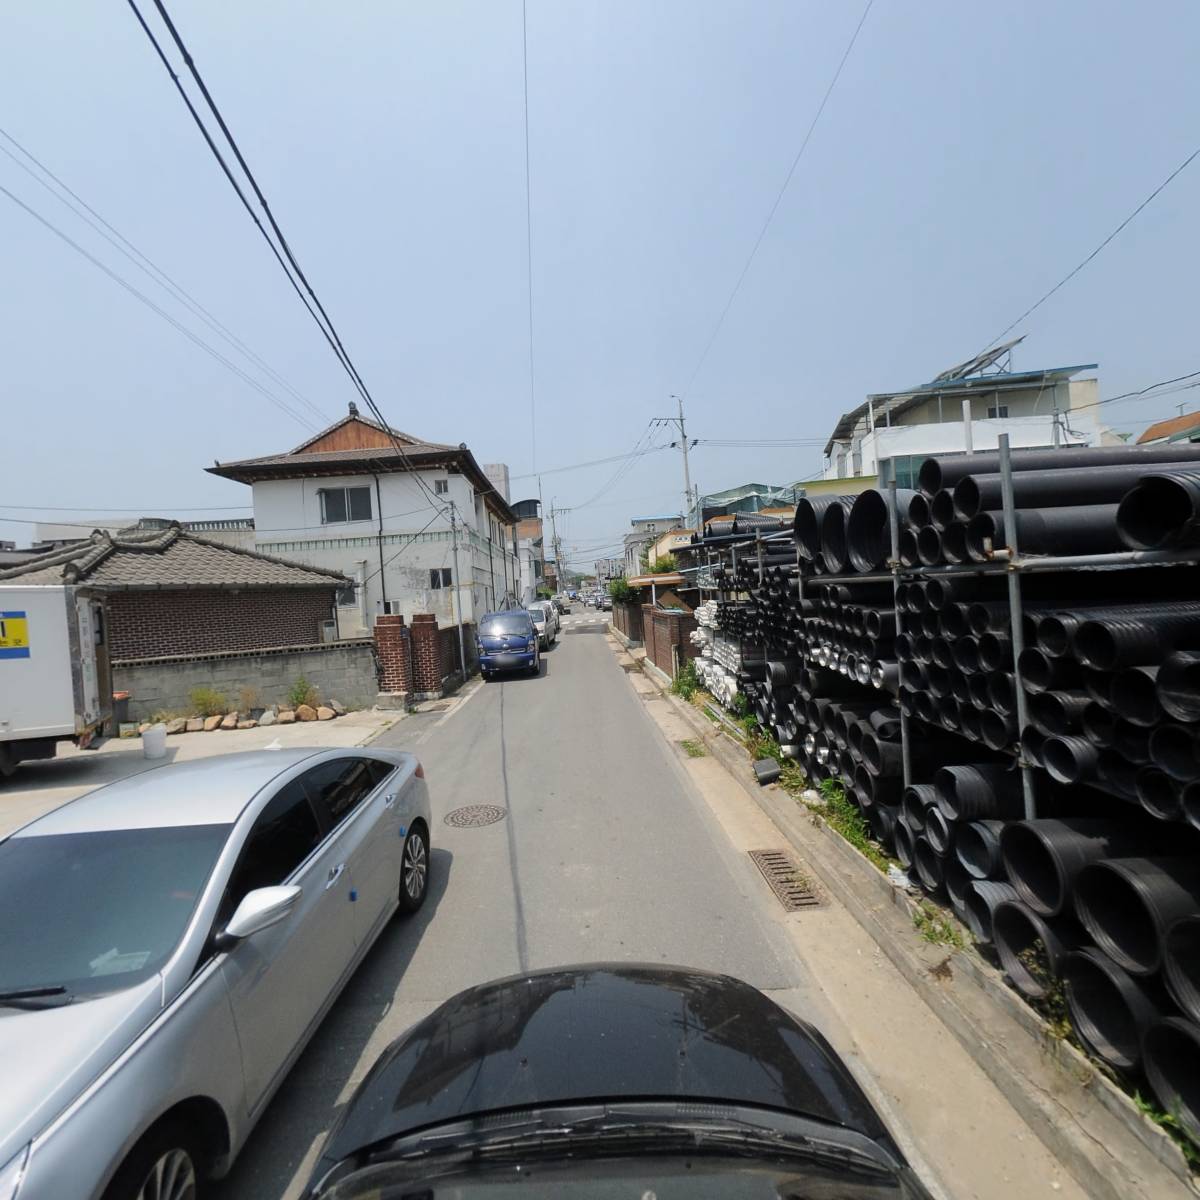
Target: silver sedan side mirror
[{"x": 258, "y": 910}]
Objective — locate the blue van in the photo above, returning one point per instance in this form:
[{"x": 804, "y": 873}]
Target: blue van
[{"x": 507, "y": 641}]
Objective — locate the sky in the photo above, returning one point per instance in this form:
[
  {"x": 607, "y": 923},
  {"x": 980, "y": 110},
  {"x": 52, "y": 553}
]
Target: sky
[{"x": 970, "y": 155}]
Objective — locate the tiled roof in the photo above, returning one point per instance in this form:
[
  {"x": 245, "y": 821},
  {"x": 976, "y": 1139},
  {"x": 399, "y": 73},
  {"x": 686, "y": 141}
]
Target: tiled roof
[
  {"x": 299, "y": 460},
  {"x": 357, "y": 418},
  {"x": 1168, "y": 429},
  {"x": 168, "y": 558}
]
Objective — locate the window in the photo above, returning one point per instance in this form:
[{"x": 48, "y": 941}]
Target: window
[
  {"x": 997, "y": 410},
  {"x": 345, "y": 504},
  {"x": 441, "y": 487},
  {"x": 439, "y": 577},
  {"x": 346, "y": 595},
  {"x": 284, "y": 835},
  {"x": 337, "y": 788},
  {"x": 510, "y": 624}
]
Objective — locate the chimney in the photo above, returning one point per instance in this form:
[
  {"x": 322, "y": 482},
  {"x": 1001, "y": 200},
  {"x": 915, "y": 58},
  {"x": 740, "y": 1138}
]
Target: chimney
[{"x": 353, "y": 409}]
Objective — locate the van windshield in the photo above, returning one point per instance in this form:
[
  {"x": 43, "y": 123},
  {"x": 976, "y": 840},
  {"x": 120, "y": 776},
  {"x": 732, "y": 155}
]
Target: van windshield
[{"x": 502, "y": 624}]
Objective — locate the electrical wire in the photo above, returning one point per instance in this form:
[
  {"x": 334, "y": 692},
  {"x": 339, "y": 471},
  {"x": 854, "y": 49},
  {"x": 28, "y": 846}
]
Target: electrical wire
[
  {"x": 595, "y": 462},
  {"x": 82, "y": 209},
  {"x": 1075, "y": 271},
  {"x": 1140, "y": 392},
  {"x": 404, "y": 546},
  {"x": 166, "y": 316},
  {"x": 622, "y": 470},
  {"x": 762, "y": 233}
]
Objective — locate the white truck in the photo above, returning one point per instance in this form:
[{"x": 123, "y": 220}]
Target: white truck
[{"x": 55, "y": 678}]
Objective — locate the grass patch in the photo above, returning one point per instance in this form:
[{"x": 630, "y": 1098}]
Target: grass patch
[
  {"x": 303, "y": 692},
  {"x": 686, "y": 684},
  {"x": 935, "y": 927},
  {"x": 209, "y": 703},
  {"x": 1172, "y": 1126},
  {"x": 842, "y": 815},
  {"x": 692, "y": 748}
]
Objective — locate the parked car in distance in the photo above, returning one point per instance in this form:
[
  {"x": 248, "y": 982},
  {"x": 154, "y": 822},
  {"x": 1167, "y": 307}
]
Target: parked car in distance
[
  {"x": 613, "y": 1079},
  {"x": 605, "y": 603},
  {"x": 562, "y": 604},
  {"x": 508, "y": 641},
  {"x": 548, "y": 624},
  {"x": 170, "y": 943}
]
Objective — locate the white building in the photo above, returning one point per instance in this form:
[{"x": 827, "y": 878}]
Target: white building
[
  {"x": 347, "y": 499},
  {"x": 645, "y": 531},
  {"x": 956, "y": 413}
]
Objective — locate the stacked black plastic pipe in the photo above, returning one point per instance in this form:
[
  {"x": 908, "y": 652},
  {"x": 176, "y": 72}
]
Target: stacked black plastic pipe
[{"x": 1100, "y": 896}]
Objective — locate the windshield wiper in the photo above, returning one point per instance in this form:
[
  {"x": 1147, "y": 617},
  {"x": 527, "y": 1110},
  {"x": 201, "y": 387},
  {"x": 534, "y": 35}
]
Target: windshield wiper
[{"x": 35, "y": 997}]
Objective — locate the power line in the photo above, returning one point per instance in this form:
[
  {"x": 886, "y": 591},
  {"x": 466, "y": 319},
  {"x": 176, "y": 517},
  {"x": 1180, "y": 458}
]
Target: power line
[
  {"x": 166, "y": 316},
  {"x": 1153, "y": 387},
  {"x": 529, "y": 239},
  {"x": 323, "y": 321},
  {"x": 1075, "y": 271},
  {"x": 779, "y": 197},
  {"x": 595, "y": 462},
  {"x": 144, "y": 263}
]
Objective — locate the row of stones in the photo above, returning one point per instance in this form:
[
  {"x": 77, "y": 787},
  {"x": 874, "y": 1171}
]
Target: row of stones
[{"x": 233, "y": 720}]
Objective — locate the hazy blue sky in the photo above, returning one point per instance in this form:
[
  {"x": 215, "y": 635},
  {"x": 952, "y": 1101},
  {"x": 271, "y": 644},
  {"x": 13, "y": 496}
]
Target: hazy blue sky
[{"x": 971, "y": 154}]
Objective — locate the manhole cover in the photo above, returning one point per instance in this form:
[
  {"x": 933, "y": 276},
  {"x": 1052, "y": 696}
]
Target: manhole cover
[
  {"x": 476, "y": 814},
  {"x": 793, "y": 891}
]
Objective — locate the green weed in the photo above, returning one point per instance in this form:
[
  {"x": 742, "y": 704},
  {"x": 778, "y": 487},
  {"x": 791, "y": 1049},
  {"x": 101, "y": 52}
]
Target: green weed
[
  {"x": 935, "y": 927},
  {"x": 209, "y": 703},
  {"x": 692, "y": 748}
]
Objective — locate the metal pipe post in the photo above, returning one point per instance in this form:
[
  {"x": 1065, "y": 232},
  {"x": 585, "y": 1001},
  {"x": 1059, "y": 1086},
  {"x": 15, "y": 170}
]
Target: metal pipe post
[
  {"x": 894, "y": 529},
  {"x": 462, "y": 651},
  {"x": 1016, "y": 616}
]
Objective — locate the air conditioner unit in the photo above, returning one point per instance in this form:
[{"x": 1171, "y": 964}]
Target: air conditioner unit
[{"x": 329, "y": 631}]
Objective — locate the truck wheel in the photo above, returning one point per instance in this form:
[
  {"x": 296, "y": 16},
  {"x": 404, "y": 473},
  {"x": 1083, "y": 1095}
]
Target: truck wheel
[{"x": 8, "y": 764}]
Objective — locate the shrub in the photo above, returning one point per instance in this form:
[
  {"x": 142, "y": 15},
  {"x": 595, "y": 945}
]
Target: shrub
[
  {"x": 249, "y": 699},
  {"x": 663, "y": 565},
  {"x": 303, "y": 692},
  {"x": 620, "y": 591},
  {"x": 209, "y": 703},
  {"x": 685, "y": 683}
]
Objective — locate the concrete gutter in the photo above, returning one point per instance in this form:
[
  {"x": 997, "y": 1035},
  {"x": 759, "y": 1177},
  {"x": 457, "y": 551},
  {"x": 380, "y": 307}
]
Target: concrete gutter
[{"x": 1081, "y": 1117}]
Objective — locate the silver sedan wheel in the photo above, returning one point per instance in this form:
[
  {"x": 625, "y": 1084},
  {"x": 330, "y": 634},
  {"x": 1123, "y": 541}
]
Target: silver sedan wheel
[
  {"x": 173, "y": 1177},
  {"x": 415, "y": 868}
]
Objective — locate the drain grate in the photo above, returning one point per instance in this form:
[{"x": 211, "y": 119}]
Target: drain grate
[
  {"x": 790, "y": 886},
  {"x": 475, "y": 814}
]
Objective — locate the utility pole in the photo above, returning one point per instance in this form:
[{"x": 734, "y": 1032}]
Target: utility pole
[
  {"x": 462, "y": 652},
  {"x": 555, "y": 543},
  {"x": 684, "y": 447}
]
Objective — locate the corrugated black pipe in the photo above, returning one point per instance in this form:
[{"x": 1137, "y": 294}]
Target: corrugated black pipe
[
  {"x": 958, "y": 885},
  {"x": 937, "y": 473},
  {"x": 1181, "y": 964},
  {"x": 1178, "y": 685},
  {"x": 988, "y": 616},
  {"x": 1175, "y": 749},
  {"x": 1130, "y": 741},
  {"x": 1043, "y": 858},
  {"x": 930, "y": 867},
  {"x": 868, "y": 532},
  {"x": 952, "y": 620},
  {"x": 929, "y": 546},
  {"x": 915, "y": 597},
  {"x": 954, "y": 542},
  {"x": 906, "y": 547},
  {"x": 834, "y": 551},
  {"x": 969, "y": 721},
  {"x": 1117, "y": 775},
  {"x": 1134, "y": 695},
  {"x": 943, "y": 654},
  {"x": 965, "y": 653},
  {"x": 1098, "y": 685},
  {"x": 941, "y": 509},
  {"x": 1113, "y": 642},
  {"x": 1050, "y": 488},
  {"x": 995, "y": 651},
  {"x": 810, "y": 511},
  {"x": 931, "y": 623},
  {"x": 1031, "y": 948},
  {"x": 1128, "y": 904},
  {"x": 1041, "y": 673},
  {"x": 880, "y": 622},
  {"x": 918, "y": 510},
  {"x": 916, "y": 798},
  {"x": 1110, "y": 1011},
  {"x": 947, "y": 708},
  {"x": 1002, "y": 691},
  {"x": 938, "y": 679},
  {"x": 1162, "y": 511},
  {"x": 1058, "y": 712},
  {"x": 938, "y": 830},
  {"x": 1171, "y": 1060},
  {"x": 1190, "y": 801},
  {"x": 902, "y": 843},
  {"x": 1083, "y": 529},
  {"x": 977, "y": 845},
  {"x": 885, "y": 676},
  {"x": 972, "y": 689},
  {"x": 1098, "y": 724},
  {"x": 1159, "y": 794},
  {"x": 982, "y": 898},
  {"x": 883, "y": 819},
  {"x": 997, "y": 730},
  {"x": 972, "y": 791},
  {"x": 1032, "y": 741}
]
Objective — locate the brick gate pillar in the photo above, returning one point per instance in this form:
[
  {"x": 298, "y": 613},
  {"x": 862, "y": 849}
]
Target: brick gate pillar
[
  {"x": 427, "y": 654},
  {"x": 393, "y": 648}
]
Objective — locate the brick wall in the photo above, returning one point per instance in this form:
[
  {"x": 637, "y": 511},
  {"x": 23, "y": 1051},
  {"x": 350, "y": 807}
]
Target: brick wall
[
  {"x": 342, "y": 671},
  {"x": 393, "y": 648},
  {"x": 667, "y": 637},
  {"x": 207, "y": 621},
  {"x": 628, "y": 619}
]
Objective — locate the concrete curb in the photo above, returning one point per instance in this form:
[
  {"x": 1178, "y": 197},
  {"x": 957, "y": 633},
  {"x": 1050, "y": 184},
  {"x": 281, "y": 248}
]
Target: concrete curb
[{"x": 1082, "y": 1118}]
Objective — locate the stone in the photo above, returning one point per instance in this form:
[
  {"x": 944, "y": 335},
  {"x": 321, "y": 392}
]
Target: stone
[
  {"x": 325, "y": 714},
  {"x": 306, "y": 712},
  {"x": 229, "y": 721},
  {"x": 178, "y": 725},
  {"x": 248, "y": 723},
  {"x": 195, "y": 725},
  {"x": 286, "y": 716},
  {"x": 211, "y": 723},
  {"x": 268, "y": 718},
  {"x": 338, "y": 707}
]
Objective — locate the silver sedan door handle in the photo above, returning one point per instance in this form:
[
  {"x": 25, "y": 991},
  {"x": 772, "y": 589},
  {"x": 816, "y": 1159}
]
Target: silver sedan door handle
[
  {"x": 389, "y": 800},
  {"x": 334, "y": 873}
]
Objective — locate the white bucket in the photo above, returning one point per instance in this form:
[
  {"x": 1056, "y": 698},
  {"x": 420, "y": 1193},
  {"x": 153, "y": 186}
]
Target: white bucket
[{"x": 154, "y": 742}]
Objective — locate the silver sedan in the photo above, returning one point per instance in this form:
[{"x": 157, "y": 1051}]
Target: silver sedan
[{"x": 169, "y": 943}]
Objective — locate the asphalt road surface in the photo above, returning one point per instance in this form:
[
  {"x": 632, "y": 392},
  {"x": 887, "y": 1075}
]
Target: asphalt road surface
[{"x": 606, "y": 853}]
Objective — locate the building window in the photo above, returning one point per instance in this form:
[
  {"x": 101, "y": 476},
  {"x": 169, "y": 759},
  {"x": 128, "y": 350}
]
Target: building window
[
  {"x": 339, "y": 505},
  {"x": 439, "y": 577},
  {"x": 997, "y": 411},
  {"x": 441, "y": 487},
  {"x": 346, "y": 596}
]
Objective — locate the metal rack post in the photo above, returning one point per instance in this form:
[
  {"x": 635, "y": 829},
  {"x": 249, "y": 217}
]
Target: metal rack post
[
  {"x": 894, "y": 566},
  {"x": 1016, "y": 616}
]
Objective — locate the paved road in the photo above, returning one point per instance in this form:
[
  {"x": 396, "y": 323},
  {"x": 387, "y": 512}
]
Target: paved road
[{"x": 607, "y": 852}]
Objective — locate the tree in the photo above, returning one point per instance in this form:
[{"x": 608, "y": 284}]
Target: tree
[{"x": 663, "y": 565}]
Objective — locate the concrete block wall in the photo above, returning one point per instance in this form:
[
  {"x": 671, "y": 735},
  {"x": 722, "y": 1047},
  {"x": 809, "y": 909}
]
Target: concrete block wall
[{"x": 342, "y": 671}]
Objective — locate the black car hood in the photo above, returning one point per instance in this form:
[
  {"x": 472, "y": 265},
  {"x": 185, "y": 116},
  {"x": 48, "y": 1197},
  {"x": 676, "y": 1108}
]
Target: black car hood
[{"x": 601, "y": 1032}]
